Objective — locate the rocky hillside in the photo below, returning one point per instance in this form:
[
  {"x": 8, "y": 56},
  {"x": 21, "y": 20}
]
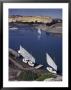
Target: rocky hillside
[{"x": 42, "y": 19}]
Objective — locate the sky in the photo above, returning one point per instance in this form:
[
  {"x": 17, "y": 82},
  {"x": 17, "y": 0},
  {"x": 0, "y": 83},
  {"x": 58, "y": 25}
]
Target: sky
[{"x": 54, "y": 13}]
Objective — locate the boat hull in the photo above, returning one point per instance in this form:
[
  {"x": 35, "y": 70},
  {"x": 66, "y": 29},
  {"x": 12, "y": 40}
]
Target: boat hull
[{"x": 51, "y": 70}]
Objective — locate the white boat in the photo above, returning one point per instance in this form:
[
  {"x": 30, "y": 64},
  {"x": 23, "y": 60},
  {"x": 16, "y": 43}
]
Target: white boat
[
  {"x": 30, "y": 63},
  {"x": 39, "y": 31},
  {"x": 51, "y": 63},
  {"x": 13, "y": 28},
  {"x": 25, "y": 61},
  {"x": 27, "y": 57}
]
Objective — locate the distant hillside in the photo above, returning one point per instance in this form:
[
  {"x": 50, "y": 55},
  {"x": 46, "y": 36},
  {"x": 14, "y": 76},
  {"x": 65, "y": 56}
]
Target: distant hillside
[{"x": 34, "y": 19}]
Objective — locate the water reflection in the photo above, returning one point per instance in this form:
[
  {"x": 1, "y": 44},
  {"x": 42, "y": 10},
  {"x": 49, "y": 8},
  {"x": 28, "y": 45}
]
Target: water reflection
[
  {"x": 38, "y": 36},
  {"x": 39, "y": 33}
]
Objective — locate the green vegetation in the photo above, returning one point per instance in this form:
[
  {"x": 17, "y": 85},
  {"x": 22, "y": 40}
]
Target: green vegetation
[
  {"x": 27, "y": 76},
  {"x": 31, "y": 76},
  {"x": 45, "y": 76}
]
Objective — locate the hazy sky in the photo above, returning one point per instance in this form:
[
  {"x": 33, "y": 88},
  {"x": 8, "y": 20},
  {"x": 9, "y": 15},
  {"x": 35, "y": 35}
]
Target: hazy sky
[{"x": 55, "y": 13}]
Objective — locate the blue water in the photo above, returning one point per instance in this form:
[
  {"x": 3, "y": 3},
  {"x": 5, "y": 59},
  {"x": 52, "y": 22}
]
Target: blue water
[{"x": 36, "y": 44}]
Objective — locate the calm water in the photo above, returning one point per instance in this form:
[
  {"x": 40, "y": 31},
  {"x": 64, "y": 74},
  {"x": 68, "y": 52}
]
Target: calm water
[{"x": 38, "y": 45}]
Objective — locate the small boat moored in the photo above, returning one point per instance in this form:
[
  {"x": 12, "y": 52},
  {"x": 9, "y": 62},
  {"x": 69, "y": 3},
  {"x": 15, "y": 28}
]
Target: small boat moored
[{"x": 51, "y": 63}]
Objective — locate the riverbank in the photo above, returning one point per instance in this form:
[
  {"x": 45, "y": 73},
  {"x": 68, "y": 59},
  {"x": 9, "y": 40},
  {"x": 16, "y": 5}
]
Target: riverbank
[{"x": 53, "y": 28}]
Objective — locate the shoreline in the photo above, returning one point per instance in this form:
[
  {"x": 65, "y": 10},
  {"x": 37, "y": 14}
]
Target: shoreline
[{"x": 54, "y": 29}]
